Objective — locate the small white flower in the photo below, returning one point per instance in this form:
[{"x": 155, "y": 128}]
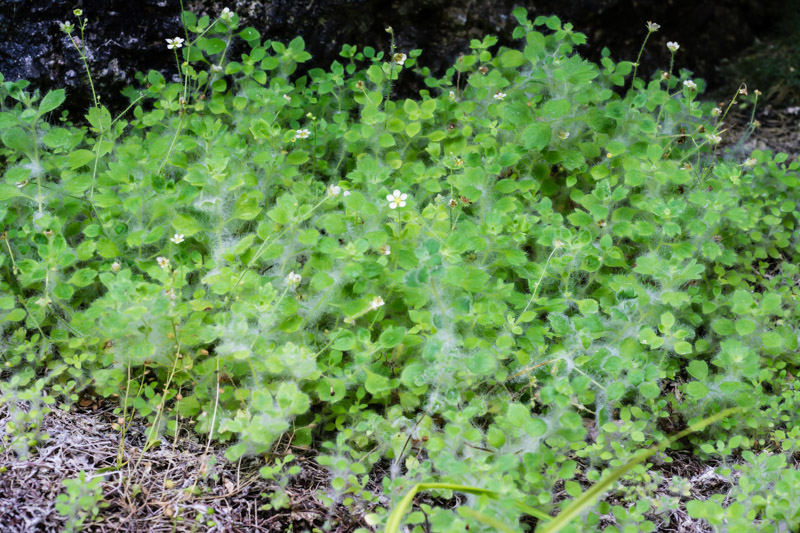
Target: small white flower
[
  {"x": 558, "y": 243},
  {"x": 293, "y": 280},
  {"x": 459, "y": 162},
  {"x": 396, "y": 199},
  {"x": 216, "y": 68},
  {"x": 673, "y": 46},
  {"x": 689, "y": 84},
  {"x": 115, "y": 266},
  {"x": 563, "y": 135},
  {"x": 177, "y": 42},
  {"x": 334, "y": 190},
  {"x": 66, "y": 27},
  {"x": 302, "y": 134},
  {"x": 376, "y": 303},
  {"x": 346, "y": 193},
  {"x": 226, "y": 14},
  {"x": 452, "y": 96},
  {"x": 716, "y": 112},
  {"x": 499, "y": 96},
  {"x": 714, "y": 138},
  {"x": 386, "y": 249},
  {"x": 750, "y": 162},
  {"x": 170, "y": 294},
  {"x": 453, "y": 203},
  {"x": 652, "y": 26},
  {"x": 22, "y": 184},
  {"x": 177, "y": 238},
  {"x": 163, "y": 262},
  {"x": 400, "y": 59},
  {"x": 287, "y": 97}
]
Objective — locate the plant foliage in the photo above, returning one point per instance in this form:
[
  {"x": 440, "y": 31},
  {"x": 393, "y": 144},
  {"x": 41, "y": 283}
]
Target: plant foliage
[{"x": 514, "y": 283}]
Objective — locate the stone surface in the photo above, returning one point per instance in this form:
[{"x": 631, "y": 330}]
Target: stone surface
[{"x": 124, "y": 37}]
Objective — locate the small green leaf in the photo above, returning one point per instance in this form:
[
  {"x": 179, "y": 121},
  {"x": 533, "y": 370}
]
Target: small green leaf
[
  {"x": 536, "y": 136},
  {"x": 51, "y": 101},
  {"x": 186, "y": 225},
  {"x": 698, "y": 369},
  {"x": 683, "y": 348},
  {"x": 83, "y": 277},
  {"x": 375, "y": 383},
  {"x": 392, "y": 337},
  {"x": 696, "y": 389},
  {"x": 79, "y": 158},
  {"x": 588, "y": 306}
]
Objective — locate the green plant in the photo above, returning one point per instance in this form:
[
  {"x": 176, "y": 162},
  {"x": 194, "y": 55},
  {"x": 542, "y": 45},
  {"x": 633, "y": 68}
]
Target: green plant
[
  {"x": 82, "y": 501},
  {"x": 514, "y": 283}
]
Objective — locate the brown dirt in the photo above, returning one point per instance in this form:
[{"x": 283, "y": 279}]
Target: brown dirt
[{"x": 227, "y": 497}]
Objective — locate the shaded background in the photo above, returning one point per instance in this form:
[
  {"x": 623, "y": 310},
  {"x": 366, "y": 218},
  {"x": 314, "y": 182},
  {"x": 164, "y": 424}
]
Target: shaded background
[{"x": 125, "y": 36}]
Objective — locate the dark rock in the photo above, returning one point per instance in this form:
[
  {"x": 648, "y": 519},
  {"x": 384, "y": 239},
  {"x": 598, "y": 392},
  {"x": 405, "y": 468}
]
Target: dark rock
[{"x": 124, "y": 37}]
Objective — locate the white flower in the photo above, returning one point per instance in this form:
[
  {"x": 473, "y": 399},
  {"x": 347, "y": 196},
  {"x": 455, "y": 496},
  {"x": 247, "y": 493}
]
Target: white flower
[
  {"x": 452, "y": 95},
  {"x": 293, "y": 280},
  {"x": 302, "y": 134},
  {"x": 716, "y": 112},
  {"x": 673, "y": 46},
  {"x": 652, "y": 26},
  {"x": 563, "y": 135},
  {"x": 396, "y": 199},
  {"x": 346, "y": 193},
  {"x": 177, "y": 238},
  {"x": 170, "y": 294},
  {"x": 750, "y": 162},
  {"x": 226, "y": 14},
  {"x": 287, "y": 97},
  {"x": 66, "y": 27},
  {"x": 334, "y": 190},
  {"x": 714, "y": 138},
  {"x": 400, "y": 58},
  {"x": 163, "y": 262},
  {"x": 376, "y": 303},
  {"x": 689, "y": 84},
  {"x": 499, "y": 96},
  {"x": 115, "y": 266},
  {"x": 177, "y": 42},
  {"x": 386, "y": 249},
  {"x": 22, "y": 184},
  {"x": 216, "y": 68}
]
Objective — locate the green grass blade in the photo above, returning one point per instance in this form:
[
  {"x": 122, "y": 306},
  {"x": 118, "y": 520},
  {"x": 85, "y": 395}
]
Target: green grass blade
[
  {"x": 396, "y": 518},
  {"x": 486, "y": 519}
]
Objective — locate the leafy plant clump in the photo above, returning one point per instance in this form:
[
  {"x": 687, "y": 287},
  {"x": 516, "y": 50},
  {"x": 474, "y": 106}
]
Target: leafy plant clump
[{"x": 514, "y": 283}]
